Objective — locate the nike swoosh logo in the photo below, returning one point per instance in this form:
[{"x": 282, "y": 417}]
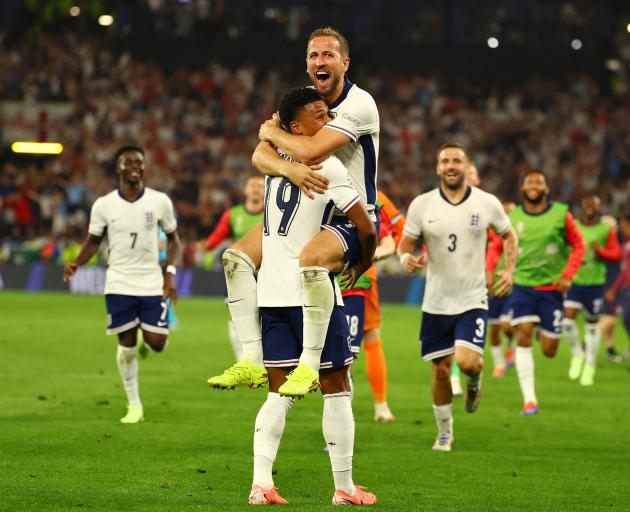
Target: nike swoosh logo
[
  {"x": 431, "y": 221},
  {"x": 234, "y": 301},
  {"x": 309, "y": 306},
  {"x": 162, "y": 324},
  {"x": 475, "y": 340}
]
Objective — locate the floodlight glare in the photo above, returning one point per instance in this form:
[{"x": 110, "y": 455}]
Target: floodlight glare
[
  {"x": 493, "y": 42},
  {"x": 576, "y": 44},
  {"x": 75, "y": 10},
  {"x": 37, "y": 148},
  {"x": 105, "y": 20}
]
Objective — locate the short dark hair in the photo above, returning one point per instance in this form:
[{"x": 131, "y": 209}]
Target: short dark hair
[
  {"x": 124, "y": 149},
  {"x": 331, "y": 32},
  {"x": 454, "y": 145},
  {"x": 533, "y": 171},
  {"x": 293, "y": 101}
]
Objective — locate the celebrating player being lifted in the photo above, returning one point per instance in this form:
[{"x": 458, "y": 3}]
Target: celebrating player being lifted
[
  {"x": 546, "y": 234},
  {"x": 291, "y": 221},
  {"x": 587, "y": 291},
  {"x": 353, "y": 137},
  {"x": 135, "y": 289},
  {"x": 453, "y": 220}
]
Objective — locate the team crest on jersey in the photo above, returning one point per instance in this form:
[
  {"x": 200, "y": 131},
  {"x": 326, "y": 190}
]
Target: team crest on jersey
[
  {"x": 149, "y": 217},
  {"x": 474, "y": 221}
]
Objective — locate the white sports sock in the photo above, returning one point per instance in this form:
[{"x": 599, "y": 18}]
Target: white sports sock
[
  {"x": 524, "y": 361},
  {"x": 498, "y": 357},
  {"x": 128, "y": 368},
  {"x": 338, "y": 429},
  {"x": 592, "y": 339},
  {"x": 573, "y": 337},
  {"x": 237, "y": 347},
  {"x": 444, "y": 418},
  {"x": 318, "y": 300},
  {"x": 242, "y": 300},
  {"x": 267, "y": 435}
]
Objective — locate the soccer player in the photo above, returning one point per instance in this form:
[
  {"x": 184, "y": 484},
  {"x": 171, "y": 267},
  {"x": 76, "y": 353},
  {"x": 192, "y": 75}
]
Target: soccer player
[
  {"x": 454, "y": 219},
  {"x": 363, "y": 310},
  {"x": 353, "y": 136},
  {"x": 587, "y": 291},
  {"x": 235, "y": 223},
  {"x": 499, "y": 313},
  {"x": 620, "y": 289},
  {"x": 291, "y": 221},
  {"x": 551, "y": 250},
  {"x": 135, "y": 288}
]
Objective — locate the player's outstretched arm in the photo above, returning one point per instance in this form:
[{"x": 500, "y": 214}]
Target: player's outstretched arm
[
  {"x": 409, "y": 262},
  {"x": 366, "y": 232},
  {"x": 172, "y": 253},
  {"x": 267, "y": 160},
  {"x": 303, "y": 148},
  {"x": 506, "y": 276},
  {"x": 89, "y": 249}
]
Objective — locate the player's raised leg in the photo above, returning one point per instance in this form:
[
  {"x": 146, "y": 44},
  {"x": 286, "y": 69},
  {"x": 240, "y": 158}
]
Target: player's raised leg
[
  {"x": 321, "y": 256},
  {"x": 239, "y": 265}
]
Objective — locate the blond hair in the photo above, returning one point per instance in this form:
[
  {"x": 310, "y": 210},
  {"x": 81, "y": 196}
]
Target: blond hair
[{"x": 331, "y": 32}]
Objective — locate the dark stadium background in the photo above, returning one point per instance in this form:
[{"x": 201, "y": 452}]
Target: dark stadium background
[{"x": 192, "y": 80}]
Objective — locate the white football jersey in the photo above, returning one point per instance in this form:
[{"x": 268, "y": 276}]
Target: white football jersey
[
  {"x": 355, "y": 115},
  {"x": 291, "y": 221},
  {"x": 131, "y": 229},
  {"x": 456, "y": 237}
]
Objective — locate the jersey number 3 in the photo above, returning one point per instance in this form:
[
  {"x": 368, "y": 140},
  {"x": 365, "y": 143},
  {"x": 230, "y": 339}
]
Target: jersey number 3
[
  {"x": 453, "y": 238},
  {"x": 287, "y": 201}
]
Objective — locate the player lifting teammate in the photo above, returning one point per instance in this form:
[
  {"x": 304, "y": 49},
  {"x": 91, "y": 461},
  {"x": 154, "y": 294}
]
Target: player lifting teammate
[
  {"x": 353, "y": 136},
  {"x": 453, "y": 220},
  {"x": 291, "y": 221},
  {"x": 135, "y": 289},
  {"x": 547, "y": 234}
]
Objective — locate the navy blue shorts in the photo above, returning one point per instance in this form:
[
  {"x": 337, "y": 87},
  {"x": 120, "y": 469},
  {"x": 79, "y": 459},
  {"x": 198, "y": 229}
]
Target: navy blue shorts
[
  {"x": 347, "y": 234},
  {"x": 354, "y": 307},
  {"x": 588, "y": 298},
  {"x": 440, "y": 334},
  {"x": 282, "y": 338},
  {"x": 499, "y": 310},
  {"x": 124, "y": 312},
  {"x": 543, "y": 307}
]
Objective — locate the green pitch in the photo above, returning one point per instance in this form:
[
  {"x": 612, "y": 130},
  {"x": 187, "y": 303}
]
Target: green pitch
[{"x": 63, "y": 448}]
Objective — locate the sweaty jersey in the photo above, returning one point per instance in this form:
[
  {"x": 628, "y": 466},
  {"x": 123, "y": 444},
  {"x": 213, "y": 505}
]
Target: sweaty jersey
[
  {"x": 549, "y": 245},
  {"x": 593, "y": 269},
  {"x": 455, "y": 236},
  {"x": 355, "y": 115},
  {"x": 291, "y": 220},
  {"x": 132, "y": 232},
  {"x": 234, "y": 223}
]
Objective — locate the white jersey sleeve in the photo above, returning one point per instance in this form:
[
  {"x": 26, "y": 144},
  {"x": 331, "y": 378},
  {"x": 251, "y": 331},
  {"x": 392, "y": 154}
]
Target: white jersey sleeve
[
  {"x": 413, "y": 222},
  {"x": 98, "y": 219},
  {"x": 340, "y": 190},
  {"x": 359, "y": 116},
  {"x": 167, "y": 215},
  {"x": 499, "y": 220}
]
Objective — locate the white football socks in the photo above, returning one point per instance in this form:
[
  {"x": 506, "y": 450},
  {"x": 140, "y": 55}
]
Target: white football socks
[
  {"x": 498, "y": 358},
  {"x": 237, "y": 346},
  {"x": 338, "y": 429},
  {"x": 444, "y": 418},
  {"x": 573, "y": 337},
  {"x": 524, "y": 361},
  {"x": 318, "y": 301},
  {"x": 267, "y": 436},
  {"x": 128, "y": 368},
  {"x": 243, "y": 302},
  {"x": 592, "y": 339}
]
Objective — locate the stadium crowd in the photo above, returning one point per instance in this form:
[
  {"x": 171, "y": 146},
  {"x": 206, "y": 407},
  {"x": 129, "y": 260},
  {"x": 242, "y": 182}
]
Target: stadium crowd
[{"x": 200, "y": 126}]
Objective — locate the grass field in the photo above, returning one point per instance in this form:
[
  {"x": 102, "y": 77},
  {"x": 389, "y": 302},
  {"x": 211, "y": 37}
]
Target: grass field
[{"x": 63, "y": 448}]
